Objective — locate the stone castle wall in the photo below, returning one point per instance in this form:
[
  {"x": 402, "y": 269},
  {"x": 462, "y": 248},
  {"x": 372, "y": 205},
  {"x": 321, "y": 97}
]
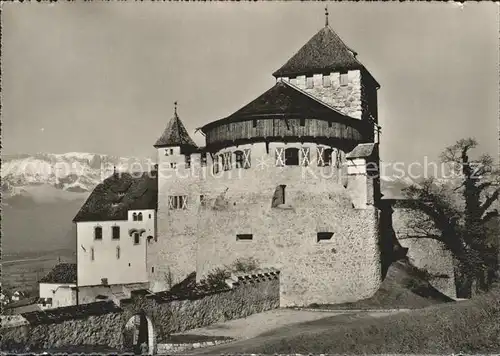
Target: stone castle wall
[
  {"x": 427, "y": 254},
  {"x": 204, "y": 236},
  {"x": 100, "y": 326},
  {"x": 346, "y": 99}
]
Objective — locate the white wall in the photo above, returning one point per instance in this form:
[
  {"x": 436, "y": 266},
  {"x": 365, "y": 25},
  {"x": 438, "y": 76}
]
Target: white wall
[
  {"x": 62, "y": 295},
  {"x": 130, "y": 267}
]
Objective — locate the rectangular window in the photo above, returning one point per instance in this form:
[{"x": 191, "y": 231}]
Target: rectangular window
[
  {"x": 330, "y": 124},
  {"x": 203, "y": 159},
  {"x": 136, "y": 238},
  {"x": 343, "y": 79},
  {"x": 153, "y": 269},
  {"x": 227, "y": 158},
  {"x": 326, "y": 81},
  {"x": 244, "y": 237},
  {"x": 309, "y": 82},
  {"x": 239, "y": 159},
  {"x": 324, "y": 156},
  {"x": 98, "y": 233},
  {"x": 171, "y": 151},
  {"x": 202, "y": 200},
  {"x": 187, "y": 161},
  {"x": 92, "y": 256},
  {"x": 177, "y": 202},
  {"x": 302, "y": 122},
  {"x": 115, "y": 230},
  {"x": 324, "y": 236},
  {"x": 279, "y": 196},
  {"x": 117, "y": 252},
  {"x": 216, "y": 166},
  {"x": 254, "y": 123}
]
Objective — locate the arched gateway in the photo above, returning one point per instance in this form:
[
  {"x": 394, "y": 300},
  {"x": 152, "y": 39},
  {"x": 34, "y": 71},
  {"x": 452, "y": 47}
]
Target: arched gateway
[{"x": 138, "y": 335}]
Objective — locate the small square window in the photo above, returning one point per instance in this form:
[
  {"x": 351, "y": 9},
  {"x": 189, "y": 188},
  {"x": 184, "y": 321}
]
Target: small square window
[
  {"x": 324, "y": 236},
  {"x": 309, "y": 83},
  {"x": 244, "y": 237},
  {"x": 343, "y": 79}
]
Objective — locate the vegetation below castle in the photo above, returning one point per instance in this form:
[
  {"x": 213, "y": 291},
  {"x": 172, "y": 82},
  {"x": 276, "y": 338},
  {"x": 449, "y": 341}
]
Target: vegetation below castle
[{"x": 467, "y": 327}]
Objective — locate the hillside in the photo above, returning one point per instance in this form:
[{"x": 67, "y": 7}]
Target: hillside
[{"x": 404, "y": 287}]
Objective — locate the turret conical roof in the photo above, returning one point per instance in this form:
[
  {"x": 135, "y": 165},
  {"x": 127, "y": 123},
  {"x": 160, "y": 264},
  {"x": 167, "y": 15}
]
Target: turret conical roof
[{"x": 175, "y": 134}]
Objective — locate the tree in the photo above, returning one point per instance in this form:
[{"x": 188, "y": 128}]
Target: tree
[{"x": 458, "y": 216}]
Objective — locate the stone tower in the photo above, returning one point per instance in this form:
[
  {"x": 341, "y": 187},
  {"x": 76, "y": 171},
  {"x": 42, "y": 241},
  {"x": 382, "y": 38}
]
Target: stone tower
[
  {"x": 172, "y": 256},
  {"x": 284, "y": 181}
]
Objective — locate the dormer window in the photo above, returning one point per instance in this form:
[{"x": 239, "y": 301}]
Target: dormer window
[{"x": 343, "y": 79}]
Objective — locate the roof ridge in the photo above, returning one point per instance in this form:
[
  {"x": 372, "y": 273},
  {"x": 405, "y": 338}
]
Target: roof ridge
[{"x": 342, "y": 41}]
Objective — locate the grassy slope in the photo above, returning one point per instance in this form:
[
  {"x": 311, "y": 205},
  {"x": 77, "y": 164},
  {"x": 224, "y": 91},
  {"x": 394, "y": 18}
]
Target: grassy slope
[
  {"x": 404, "y": 287},
  {"x": 470, "y": 326}
]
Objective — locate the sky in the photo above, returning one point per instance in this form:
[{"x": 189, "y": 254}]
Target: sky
[{"x": 102, "y": 77}]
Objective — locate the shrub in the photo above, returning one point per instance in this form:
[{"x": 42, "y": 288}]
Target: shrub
[
  {"x": 217, "y": 278},
  {"x": 245, "y": 265}
]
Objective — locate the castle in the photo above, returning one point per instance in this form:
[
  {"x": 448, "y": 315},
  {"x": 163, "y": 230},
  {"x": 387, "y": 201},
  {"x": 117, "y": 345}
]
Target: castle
[{"x": 290, "y": 180}]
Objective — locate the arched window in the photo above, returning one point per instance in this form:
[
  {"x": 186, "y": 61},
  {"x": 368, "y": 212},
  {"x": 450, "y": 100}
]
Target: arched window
[
  {"x": 134, "y": 216},
  {"x": 139, "y": 217},
  {"x": 98, "y": 233},
  {"x": 292, "y": 156}
]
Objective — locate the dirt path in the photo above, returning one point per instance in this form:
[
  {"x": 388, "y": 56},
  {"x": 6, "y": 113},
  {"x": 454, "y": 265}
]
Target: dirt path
[
  {"x": 275, "y": 324},
  {"x": 257, "y": 324}
]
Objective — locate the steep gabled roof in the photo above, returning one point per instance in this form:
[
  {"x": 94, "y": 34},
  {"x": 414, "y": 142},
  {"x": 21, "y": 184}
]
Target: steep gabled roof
[
  {"x": 63, "y": 273},
  {"x": 175, "y": 134},
  {"x": 325, "y": 52},
  {"x": 119, "y": 193},
  {"x": 282, "y": 100}
]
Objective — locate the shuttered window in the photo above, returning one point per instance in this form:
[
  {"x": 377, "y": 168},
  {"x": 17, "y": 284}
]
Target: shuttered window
[
  {"x": 304, "y": 156},
  {"x": 280, "y": 156}
]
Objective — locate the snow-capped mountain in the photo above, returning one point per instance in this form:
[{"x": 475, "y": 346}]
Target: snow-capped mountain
[{"x": 69, "y": 172}]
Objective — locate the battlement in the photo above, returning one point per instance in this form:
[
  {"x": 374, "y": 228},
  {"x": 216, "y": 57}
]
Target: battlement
[{"x": 262, "y": 275}]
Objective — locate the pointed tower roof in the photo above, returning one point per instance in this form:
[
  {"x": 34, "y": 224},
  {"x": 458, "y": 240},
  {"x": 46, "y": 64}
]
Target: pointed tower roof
[
  {"x": 175, "y": 134},
  {"x": 325, "y": 52}
]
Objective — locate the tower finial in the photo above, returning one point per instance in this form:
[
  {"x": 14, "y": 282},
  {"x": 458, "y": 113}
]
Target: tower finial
[
  {"x": 175, "y": 108},
  {"x": 326, "y": 16}
]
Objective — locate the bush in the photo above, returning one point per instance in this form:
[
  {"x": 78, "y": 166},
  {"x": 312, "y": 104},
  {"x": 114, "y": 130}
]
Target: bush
[
  {"x": 217, "y": 278},
  {"x": 245, "y": 265}
]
